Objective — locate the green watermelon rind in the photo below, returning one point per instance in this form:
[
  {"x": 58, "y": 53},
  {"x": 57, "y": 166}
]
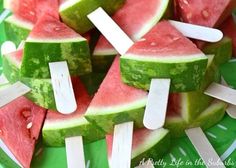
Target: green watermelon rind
[
  {"x": 16, "y": 29},
  {"x": 186, "y": 74},
  {"x": 102, "y": 63},
  {"x": 207, "y": 118},
  {"x": 55, "y": 132},
  {"x": 155, "y": 145},
  {"x": 37, "y": 56},
  {"x": 74, "y": 13},
  {"x": 41, "y": 89},
  {"x": 106, "y": 117}
]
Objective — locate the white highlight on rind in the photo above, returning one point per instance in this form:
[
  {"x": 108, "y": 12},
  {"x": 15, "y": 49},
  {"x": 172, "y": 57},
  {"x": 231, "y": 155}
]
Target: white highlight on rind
[
  {"x": 122, "y": 145},
  {"x": 75, "y": 152},
  {"x": 62, "y": 87},
  {"x": 8, "y": 47},
  {"x": 198, "y": 32},
  {"x": 221, "y": 92},
  {"x": 155, "y": 111},
  {"x": 4, "y": 147},
  {"x": 204, "y": 148},
  {"x": 4, "y": 14},
  {"x": 13, "y": 92},
  {"x": 113, "y": 33}
]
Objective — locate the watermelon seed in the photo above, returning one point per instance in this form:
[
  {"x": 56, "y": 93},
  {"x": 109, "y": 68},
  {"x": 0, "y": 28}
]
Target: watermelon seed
[
  {"x": 186, "y": 2},
  {"x": 189, "y": 15},
  {"x": 29, "y": 125},
  {"x": 205, "y": 14},
  {"x": 32, "y": 13},
  {"x": 153, "y": 44},
  {"x": 142, "y": 39},
  {"x": 26, "y": 113}
]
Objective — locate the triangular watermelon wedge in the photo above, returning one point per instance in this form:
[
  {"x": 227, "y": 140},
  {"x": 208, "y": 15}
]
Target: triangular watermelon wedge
[
  {"x": 20, "y": 125},
  {"x": 58, "y": 126},
  {"x": 164, "y": 53},
  {"x": 52, "y": 41},
  {"x": 135, "y": 18}
]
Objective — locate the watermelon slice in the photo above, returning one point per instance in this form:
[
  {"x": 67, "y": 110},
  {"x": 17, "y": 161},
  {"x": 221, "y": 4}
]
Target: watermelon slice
[
  {"x": 208, "y": 13},
  {"x": 74, "y": 13},
  {"x": 41, "y": 89},
  {"x": 25, "y": 15},
  {"x": 229, "y": 29},
  {"x": 146, "y": 145},
  {"x": 20, "y": 125},
  {"x": 52, "y": 41},
  {"x": 164, "y": 53},
  {"x": 127, "y": 103},
  {"x": 134, "y": 23},
  {"x": 58, "y": 126}
]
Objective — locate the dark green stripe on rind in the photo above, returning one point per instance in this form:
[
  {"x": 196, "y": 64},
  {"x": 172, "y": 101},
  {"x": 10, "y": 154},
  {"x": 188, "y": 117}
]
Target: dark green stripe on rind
[
  {"x": 54, "y": 136},
  {"x": 107, "y": 120},
  {"x": 14, "y": 32},
  {"x": 41, "y": 89},
  {"x": 185, "y": 76},
  {"x": 37, "y": 56},
  {"x": 75, "y": 16},
  {"x": 159, "y": 146},
  {"x": 102, "y": 63}
]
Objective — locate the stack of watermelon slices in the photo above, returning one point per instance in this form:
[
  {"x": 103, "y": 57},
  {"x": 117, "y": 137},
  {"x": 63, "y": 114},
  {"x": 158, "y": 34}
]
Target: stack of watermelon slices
[{"x": 114, "y": 101}]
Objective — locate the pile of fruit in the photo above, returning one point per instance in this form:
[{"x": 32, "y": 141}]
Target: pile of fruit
[{"x": 111, "y": 89}]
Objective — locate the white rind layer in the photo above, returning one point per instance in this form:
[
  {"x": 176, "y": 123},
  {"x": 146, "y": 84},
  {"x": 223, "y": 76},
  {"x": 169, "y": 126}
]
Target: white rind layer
[
  {"x": 20, "y": 22},
  {"x": 67, "y": 4},
  {"x": 116, "y": 109},
  {"x": 165, "y": 59},
  {"x": 55, "y": 40}
]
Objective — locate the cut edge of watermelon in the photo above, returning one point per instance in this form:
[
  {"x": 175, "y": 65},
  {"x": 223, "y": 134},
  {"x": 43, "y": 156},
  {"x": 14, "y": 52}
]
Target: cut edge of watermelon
[
  {"x": 150, "y": 141},
  {"x": 62, "y": 124},
  {"x": 8, "y": 152},
  {"x": 19, "y": 22},
  {"x": 116, "y": 109},
  {"x": 58, "y": 40},
  {"x": 165, "y": 59},
  {"x": 105, "y": 52},
  {"x": 67, "y": 4},
  {"x": 160, "y": 12}
]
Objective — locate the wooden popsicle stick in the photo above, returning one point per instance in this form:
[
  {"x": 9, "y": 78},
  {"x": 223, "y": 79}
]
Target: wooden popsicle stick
[
  {"x": 3, "y": 80},
  {"x": 198, "y": 32},
  {"x": 4, "y": 147},
  {"x": 122, "y": 145},
  {"x": 110, "y": 30},
  {"x": 11, "y": 93},
  {"x": 8, "y": 47},
  {"x": 4, "y": 14},
  {"x": 75, "y": 152},
  {"x": 204, "y": 148},
  {"x": 221, "y": 92},
  {"x": 231, "y": 109},
  {"x": 155, "y": 111},
  {"x": 62, "y": 87}
]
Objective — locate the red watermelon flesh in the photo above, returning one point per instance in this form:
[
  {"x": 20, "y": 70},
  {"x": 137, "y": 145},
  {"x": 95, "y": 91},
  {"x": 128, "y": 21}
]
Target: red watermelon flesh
[
  {"x": 20, "y": 124},
  {"x": 229, "y": 29},
  {"x": 208, "y": 13},
  {"x": 113, "y": 92},
  {"x": 162, "y": 43},
  {"x": 49, "y": 27},
  {"x": 83, "y": 99},
  {"x": 32, "y": 10},
  {"x": 135, "y": 18}
]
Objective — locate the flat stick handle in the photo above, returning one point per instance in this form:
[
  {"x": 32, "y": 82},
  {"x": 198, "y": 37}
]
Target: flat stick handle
[
  {"x": 75, "y": 152},
  {"x": 155, "y": 111},
  {"x": 198, "y": 32},
  {"x": 122, "y": 145},
  {"x": 113, "y": 33},
  {"x": 204, "y": 148}
]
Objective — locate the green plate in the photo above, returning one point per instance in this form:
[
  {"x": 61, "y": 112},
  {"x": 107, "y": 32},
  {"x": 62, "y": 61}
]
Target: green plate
[{"x": 222, "y": 136}]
